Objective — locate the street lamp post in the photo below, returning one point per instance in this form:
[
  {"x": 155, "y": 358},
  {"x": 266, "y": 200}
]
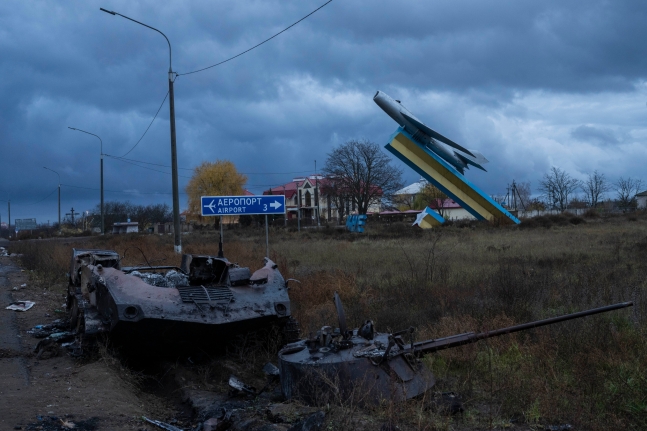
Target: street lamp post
[
  {"x": 59, "y": 196},
  {"x": 101, "y": 149},
  {"x": 174, "y": 175}
]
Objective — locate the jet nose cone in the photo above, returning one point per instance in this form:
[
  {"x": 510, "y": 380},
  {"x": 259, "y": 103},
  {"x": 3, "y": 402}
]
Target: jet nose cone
[{"x": 376, "y": 95}]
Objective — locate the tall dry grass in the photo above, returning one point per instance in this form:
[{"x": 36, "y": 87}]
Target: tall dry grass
[{"x": 589, "y": 372}]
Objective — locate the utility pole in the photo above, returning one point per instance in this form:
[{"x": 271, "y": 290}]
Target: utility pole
[
  {"x": 317, "y": 194},
  {"x": 285, "y": 218},
  {"x": 174, "y": 174},
  {"x": 299, "y": 208},
  {"x": 101, "y": 150}
]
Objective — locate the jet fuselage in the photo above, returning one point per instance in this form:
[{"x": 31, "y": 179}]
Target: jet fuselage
[{"x": 395, "y": 109}]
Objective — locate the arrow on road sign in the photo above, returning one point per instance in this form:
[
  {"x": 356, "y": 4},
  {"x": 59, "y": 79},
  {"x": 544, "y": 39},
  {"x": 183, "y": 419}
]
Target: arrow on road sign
[{"x": 276, "y": 205}]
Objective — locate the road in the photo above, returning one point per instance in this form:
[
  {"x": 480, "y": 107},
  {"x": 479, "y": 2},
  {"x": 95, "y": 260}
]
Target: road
[{"x": 93, "y": 395}]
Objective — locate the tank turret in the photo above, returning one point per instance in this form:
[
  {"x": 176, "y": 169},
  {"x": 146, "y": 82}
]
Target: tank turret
[{"x": 371, "y": 366}]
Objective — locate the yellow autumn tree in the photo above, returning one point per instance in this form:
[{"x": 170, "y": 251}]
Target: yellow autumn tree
[{"x": 219, "y": 178}]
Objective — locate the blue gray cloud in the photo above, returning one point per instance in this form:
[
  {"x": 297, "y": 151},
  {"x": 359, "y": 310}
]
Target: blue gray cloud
[{"x": 529, "y": 84}]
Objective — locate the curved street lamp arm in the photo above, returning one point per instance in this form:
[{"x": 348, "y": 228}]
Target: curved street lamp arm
[
  {"x": 100, "y": 141},
  {"x": 170, "y": 69},
  {"x": 59, "y": 176}
]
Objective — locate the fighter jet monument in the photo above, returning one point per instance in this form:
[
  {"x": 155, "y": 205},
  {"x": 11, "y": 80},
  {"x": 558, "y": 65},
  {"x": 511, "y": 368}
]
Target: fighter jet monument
[{"x": 441, "y": 161}]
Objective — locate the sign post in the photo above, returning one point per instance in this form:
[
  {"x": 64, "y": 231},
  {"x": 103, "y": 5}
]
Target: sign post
[
  {"x": 267, "y": 238},
  {"x": 243, "y": 205}
]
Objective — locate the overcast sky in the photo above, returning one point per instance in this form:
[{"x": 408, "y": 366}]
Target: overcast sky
[{"x": 530, "y": 84}]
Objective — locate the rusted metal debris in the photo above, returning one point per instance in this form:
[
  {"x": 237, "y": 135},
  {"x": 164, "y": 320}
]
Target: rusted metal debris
[
  {"x": 368, "y": 367},
  {"x": 201, "y": 303}
]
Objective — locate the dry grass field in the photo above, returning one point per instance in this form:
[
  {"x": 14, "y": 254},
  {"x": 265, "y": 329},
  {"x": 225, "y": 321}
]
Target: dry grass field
[{"x": 590, "y": 373}]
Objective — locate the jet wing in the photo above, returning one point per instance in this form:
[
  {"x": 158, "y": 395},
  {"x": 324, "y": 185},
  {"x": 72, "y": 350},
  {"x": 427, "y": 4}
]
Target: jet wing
[{"x": 435, "y": 135}]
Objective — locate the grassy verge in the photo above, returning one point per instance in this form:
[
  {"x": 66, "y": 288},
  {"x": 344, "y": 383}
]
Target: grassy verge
[{"x": 589, "y": 373}]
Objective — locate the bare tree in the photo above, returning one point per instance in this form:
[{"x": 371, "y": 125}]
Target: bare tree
[
  {"x": 363, "y": 172},
  {"x": 594, "y": 187},
  {"x": 557, "y": 186},
  {"x": 405, "y": 201},
  {"x": 626, "y": 190},
  {"x": 339, "y": 196},
  {"x": 523, "y": 192},
  {"x": 432, "y": 197}
]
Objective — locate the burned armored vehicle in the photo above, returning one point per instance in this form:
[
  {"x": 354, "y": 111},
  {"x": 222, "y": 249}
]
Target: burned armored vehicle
[
  {"x": 203, "y": 302},
  {"x": 369, "y": 366}
]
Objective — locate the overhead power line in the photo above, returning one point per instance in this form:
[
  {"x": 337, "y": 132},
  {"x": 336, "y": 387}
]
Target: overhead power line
[
  {"x": 123, "y": 159},
  {"x": 218, "y": 64},
  {"x": 149, "y": 125},
  {"x": 37, "y": 202},
  {"x": 256, "y": 46},
  {"x": 121, "y": 191}
]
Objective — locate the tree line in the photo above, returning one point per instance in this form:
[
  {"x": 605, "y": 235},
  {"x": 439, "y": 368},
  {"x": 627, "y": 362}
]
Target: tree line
[
  {"x": 559, "y": 191},
  {"x": 145, "y": 215}
]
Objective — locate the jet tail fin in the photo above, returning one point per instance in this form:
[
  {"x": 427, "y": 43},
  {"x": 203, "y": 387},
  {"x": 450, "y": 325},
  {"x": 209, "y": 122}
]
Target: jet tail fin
[{"x": 476, "y": 161}]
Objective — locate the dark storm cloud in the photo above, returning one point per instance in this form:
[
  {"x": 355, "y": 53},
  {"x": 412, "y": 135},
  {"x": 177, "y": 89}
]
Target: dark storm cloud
[
  {"x": 595, "y": 135},
  {"x": 497, "y": 76}
]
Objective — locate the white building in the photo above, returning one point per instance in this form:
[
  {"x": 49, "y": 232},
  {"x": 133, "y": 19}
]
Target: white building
[
  {"x": 125, "y": 227},
  {"x": 641, "y": 200}
]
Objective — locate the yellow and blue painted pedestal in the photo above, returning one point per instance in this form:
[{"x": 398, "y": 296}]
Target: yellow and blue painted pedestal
[
  {"x": 428, "y": 218},
  {"x": 447, "y": 179}
]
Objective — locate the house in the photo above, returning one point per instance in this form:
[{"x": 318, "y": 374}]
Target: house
[
  {"x": 641, "y": 200},
  {"x": 447, "y": 208},
  {"x": 304, "y": 195},
  {"x": 450, "y": 209},
  {"x": 405, "y": 197},
  {"x": 125, "y": 227}
]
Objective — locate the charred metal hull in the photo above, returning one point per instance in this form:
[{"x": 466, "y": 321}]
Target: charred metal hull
[{"x": 212, "y": 302}]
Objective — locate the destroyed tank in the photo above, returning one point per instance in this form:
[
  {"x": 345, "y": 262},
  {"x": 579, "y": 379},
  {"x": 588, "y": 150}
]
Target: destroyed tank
[
  {"x": 368, "y": 367},
  {"x": 201, "y": 304}
]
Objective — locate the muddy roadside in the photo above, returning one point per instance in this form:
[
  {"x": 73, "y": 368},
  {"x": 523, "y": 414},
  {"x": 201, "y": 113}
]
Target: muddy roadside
[
  {"x": 56, "y": 387},
  {"x": 104, "y": 391}
]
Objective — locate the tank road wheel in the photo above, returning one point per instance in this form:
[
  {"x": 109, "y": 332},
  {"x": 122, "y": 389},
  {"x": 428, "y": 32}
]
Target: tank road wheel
[
  {"x": 76, "y": 323},
  {"x": 73, "y": 307}
]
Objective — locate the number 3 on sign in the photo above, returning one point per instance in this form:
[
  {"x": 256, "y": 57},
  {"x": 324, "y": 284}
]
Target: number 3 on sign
[{"x": 264, "y": 207}]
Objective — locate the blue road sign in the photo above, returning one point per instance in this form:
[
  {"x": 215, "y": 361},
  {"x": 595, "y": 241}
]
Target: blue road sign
[{"x": 242, "y": 205}]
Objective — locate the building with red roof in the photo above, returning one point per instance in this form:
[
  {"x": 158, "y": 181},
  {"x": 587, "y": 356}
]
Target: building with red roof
[{"x": 304, "y": 195}]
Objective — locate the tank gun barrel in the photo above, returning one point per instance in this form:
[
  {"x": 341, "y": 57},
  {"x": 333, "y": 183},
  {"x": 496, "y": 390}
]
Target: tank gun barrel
[{"x": 430, "y": 346}]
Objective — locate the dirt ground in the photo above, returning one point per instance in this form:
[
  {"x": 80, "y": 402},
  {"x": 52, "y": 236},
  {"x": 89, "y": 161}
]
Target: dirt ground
[
  {"x": 90, "y": 394},
  {"x": 98, "y": 392}
]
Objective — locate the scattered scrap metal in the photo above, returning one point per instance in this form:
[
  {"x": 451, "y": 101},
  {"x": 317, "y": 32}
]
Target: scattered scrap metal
[{"x": 20, "y": 305}]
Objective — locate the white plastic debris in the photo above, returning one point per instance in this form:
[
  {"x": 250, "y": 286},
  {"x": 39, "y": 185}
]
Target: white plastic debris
[{"x": 21, "y": 305}]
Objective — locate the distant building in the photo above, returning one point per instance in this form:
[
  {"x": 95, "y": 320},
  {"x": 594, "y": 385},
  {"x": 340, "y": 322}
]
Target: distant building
[
  {"x": 304, "y": 194},
  {"x": 450, "y": 210},
  {"x": 641, "y": 200},
  {"x": 405, "y": 197},
  {"x": 447, "y": 208},
  {"x": 125, "y": 227}
]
